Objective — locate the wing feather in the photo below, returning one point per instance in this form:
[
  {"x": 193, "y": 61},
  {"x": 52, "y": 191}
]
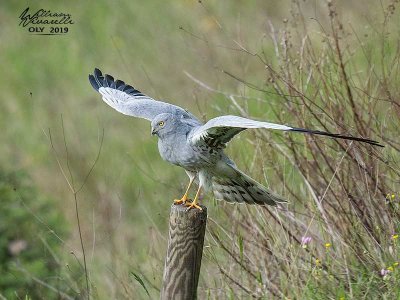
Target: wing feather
[
  {"x": 219, "y": 131},
  {"x": 129, "y": 101}
]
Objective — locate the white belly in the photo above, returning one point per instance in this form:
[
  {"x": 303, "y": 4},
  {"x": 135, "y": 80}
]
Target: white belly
[{"x": 205, "y": 180}]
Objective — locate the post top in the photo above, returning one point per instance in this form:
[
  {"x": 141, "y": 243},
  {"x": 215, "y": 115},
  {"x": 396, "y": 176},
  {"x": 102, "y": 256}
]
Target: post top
[
  {"x": 181, "y": 212},
  {"x": 182, "y": 208}
]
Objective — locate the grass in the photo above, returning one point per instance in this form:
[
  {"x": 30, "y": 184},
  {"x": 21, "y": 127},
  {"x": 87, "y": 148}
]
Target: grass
[{"x": 331, "y": 67}]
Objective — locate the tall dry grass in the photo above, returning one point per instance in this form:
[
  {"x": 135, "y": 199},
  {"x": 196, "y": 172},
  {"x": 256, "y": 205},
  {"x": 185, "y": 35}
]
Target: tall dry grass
[{"x": 338, "y": 239}]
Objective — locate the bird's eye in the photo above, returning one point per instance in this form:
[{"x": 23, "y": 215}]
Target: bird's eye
[{"x": 161, "y": 123}]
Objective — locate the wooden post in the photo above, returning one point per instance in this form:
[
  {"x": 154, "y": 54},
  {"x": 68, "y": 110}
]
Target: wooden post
[{"x": 185, "y": 249}]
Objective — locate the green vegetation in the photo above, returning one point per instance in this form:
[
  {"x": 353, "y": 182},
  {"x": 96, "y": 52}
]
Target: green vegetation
[
  {"x": 323, "y": 65},
  {"x": 29, "y": 244}
]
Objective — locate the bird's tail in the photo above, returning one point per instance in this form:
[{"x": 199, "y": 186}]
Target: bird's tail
[{"x": 241, "y": 188}]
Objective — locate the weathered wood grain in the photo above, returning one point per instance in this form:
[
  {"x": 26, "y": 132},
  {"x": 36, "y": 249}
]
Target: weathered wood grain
[{"x": 185, "y": 249}]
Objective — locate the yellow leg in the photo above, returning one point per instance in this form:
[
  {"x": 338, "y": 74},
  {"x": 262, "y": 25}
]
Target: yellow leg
[
  {"x": 185, "y": 196},
  {"x": 194, "y": 203}
]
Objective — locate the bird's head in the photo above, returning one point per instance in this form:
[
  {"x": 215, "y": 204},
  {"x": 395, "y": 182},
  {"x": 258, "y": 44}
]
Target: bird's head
[{"x": 163, "y": 124}]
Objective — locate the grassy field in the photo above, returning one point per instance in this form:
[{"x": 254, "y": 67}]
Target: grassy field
[{"x": 330, "y": 66}]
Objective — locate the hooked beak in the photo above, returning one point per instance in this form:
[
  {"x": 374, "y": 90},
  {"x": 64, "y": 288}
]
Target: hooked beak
[{"x": 153, "y": 131}]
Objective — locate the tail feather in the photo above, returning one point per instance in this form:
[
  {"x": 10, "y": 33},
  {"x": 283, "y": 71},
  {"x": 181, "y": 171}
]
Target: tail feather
[{"x": 242, "y": 188}]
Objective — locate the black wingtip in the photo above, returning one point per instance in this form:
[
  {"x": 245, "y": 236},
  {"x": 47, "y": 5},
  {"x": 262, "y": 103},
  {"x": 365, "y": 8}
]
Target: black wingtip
[
  {"x": 93, "y": 82},
  {"x": 338, "y": 136},
  {"x": 97, "y": 72},
  {"x": 98, "y": 80},
  {"x": 109, "y": 81}
]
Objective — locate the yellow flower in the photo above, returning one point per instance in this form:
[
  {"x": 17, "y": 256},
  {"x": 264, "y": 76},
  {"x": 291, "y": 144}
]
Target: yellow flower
[
  {"x": 317, "y": 262},
  {"x": 328, "y": 245},
  {"x": 390, "y": 269},
  {"x": 390, "y": 197},
  {"x": 395, "y": 236}
]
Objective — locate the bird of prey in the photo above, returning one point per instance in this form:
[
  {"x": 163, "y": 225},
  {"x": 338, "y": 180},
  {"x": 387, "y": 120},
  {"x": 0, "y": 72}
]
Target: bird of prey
[{"x": 198, "y": 148}]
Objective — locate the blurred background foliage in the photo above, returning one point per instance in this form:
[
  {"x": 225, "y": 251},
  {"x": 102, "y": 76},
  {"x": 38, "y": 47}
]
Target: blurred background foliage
[
  {"x": 31, "y": 230},
  {"x": 190, "y": 53}
]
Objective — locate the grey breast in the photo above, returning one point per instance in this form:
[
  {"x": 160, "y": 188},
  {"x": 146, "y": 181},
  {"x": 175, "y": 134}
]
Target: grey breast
[{"x": 177, "y": 150}]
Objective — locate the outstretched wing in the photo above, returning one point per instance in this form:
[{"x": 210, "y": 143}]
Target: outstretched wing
[
  {"x": 129, "y": 101},
  {"x": 219, "y": 131}
]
